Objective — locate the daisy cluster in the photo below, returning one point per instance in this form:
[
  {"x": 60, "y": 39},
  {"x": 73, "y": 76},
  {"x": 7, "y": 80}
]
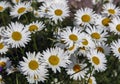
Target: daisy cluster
[{"x": 51, "y": 42}]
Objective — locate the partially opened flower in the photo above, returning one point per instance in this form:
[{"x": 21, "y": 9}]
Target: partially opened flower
[
  {"x": 3, "y": 47},
  {"x": 115, "y": 48},
  {"x": 115, "y": 25}
]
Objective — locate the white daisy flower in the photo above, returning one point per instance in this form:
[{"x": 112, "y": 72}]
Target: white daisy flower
[
  {"x": 61, "y": 1},
  {"x": 103, "y": 22},
  {"x": 35, "y": 26},
  {"x": 5, "y": 62},
  {"x": 111, "y": 9},
  {"x": 3, "y": 47},
  {"x": 115, "y": 48},
  {"x": 97, "y": 33},
  {"x": 86, "y": 41},
  {"x": 16, "y": 1},
  {"x": 16, "y": 35},
  {"x": 103, "y": 48},
  {"x": 36, "y": 79},
  {"x": 44, "y": 8},
  {"x": 72, "y": 49},
  {"x": 91, "y": 80},
  {"x": 70, "y": 37},
  {"x": 76, "y": 70},
  {"x": 37, "y": 14},
  {"x": 58, "y": 12},
  {"x": 56, "y": 58},
  {"x": 19, "y": 9},
  {"x": 33, "y": 67},
  {"x": 115, "y": 25},
  {"x": 82, "y": 51},
  {"x": 98, "y": 60},
  {"x": 85, "y": 16},
  {"x": 3, "y": 5}
]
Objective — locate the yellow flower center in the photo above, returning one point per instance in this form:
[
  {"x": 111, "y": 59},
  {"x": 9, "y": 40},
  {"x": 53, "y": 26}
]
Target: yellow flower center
[
  {"x": 90, "y": 81},
  {"x": 21, "y": 10},
  {"x": 85, "y": 42},
  {"x": 95, "y": 60},
  {"x": 100, "y": 49},
  {"x": 17, "y": 1},
  {"x": 33, "y": 28},
  {"x": 119, "y": 49},
  {"x": 46, "y": 10},
  {"x": 106, "y": 21},
  {"x": 82, "y": 48},
  {"x": 71, "y": 48},
  {"x": 76, "y": 68},
  {"x": 58, "y": 12},
  {"x": 73, "y": 37},
  {"x": 54, "y": 60},
  {"x": 33, "y": 65},
  {"x": 85, "y": 18},
  {"x": 111, "y": 11},
  {"x": 118, "y": 27},
  {"x": 16, "y": 36},
  {"x": 2, "y": 64},
  {"x": 95, "y": 35},
  {"x": 1, "y": 45},
  {"x": 1, "y": 8}
]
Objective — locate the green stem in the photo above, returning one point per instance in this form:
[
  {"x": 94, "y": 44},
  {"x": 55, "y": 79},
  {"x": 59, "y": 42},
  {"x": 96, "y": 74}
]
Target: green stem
[
  {"x": 90, "y": 74},
  {"x": 27, "y": 21},
  {"x": 17, "y": 79},
  {"x": 3, "y": 20},
  {"x": 22, "y": 51},
  {"x": 34, "y": 42}
]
